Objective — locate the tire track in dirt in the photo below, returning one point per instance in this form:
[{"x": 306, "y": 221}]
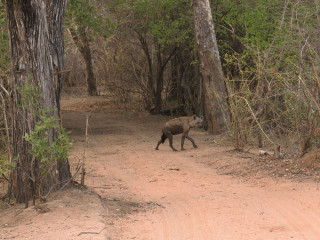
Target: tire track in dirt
[
  {"x": 306, "y": 225},
  {"x": 183, "y": 217},
  {"x": 171, "y": 219},
  {"x": 185, "y": 220},
  {"x": 203, "y": 230}
]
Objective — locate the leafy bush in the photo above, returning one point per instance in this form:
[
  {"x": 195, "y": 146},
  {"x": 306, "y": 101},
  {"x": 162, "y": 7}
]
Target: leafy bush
[{"x": 48, "y": 152}]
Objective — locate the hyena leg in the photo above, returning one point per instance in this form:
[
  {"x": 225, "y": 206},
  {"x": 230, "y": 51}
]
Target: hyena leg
[
  {"x": 170, "y": 142},
  {"x": 169, "y": 135},
  {"x": 158, "y": 145},
  {"x": 182, "y": 141},
  {"x": 191, "y": 140}
]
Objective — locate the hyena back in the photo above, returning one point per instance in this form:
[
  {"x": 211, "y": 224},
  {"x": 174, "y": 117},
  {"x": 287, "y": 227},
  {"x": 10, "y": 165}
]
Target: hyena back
[{"x": 180, "y": 125}]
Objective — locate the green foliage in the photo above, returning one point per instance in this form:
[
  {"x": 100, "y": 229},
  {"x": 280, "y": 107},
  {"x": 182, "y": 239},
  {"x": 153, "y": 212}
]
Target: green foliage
[
  {"x": 83, "y": 14},
  {"x": 260, "y": 20},
  {"x": 49, "y": 142},
  {"x": 5, "y": 164},
  {"x": 251, "y": 22},
  {"x": 270, "y": 52},
  {"x": 168, "y": 22},
  {"x": 48, "y": 152},
  {"x": 30, "y": 99},
  {"x": 4, "y": 43},
  {"x": 157, "y": 34}
]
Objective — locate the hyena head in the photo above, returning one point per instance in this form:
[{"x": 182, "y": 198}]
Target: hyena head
[{"x": 196, "y": 121}]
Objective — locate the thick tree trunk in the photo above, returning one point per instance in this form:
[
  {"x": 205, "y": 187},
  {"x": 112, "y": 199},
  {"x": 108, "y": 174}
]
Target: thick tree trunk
[
  {"x": 83, "y": 45},
  {"x": 214, "y": 90},
  {"x": 36, "y": 42}
]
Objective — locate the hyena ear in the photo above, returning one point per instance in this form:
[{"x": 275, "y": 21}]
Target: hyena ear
[{"x": 194, "y": 117}]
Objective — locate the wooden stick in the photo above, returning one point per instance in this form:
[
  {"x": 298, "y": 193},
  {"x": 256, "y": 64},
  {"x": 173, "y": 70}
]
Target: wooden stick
[
  {"x": 83, "y": 170},
  {"x": 63, "y": 71}
]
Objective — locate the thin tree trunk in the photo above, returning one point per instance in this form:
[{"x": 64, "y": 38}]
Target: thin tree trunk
[
  {"x": 150, "y": 85},
  {"x": 177, "y": 71},
  {"x": 158, "y": 97},
  {"x": 83, "y": 45},
  {"x": 86, "y": 53},
  {"x": 36, "y": 41},
  {"x": 155, "y": 81},
  {"x": 161, "y": 66},
  {"x": 214, "y": 90}
]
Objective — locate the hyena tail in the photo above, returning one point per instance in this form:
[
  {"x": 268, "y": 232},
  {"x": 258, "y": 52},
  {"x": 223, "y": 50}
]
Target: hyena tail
[{"x": 163, "y": 138}]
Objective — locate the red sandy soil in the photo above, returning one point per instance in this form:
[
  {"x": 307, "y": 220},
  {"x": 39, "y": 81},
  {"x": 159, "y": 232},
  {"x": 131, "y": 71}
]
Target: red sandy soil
[{"x": 136, "y": 192}]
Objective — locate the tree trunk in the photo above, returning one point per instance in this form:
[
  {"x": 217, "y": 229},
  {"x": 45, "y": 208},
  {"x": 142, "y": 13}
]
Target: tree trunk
[
  {"x": 150, "y": 85},
  {"x": 177, "y": 71},
  {"x": 158, "y": 97},
  {"x": 214, "y": 90},
  {"x": 161, "y": 66},
  {"x": 83, "y": 45},
  {"x": 36, "y": 41},
  {"x": 155, "y": 80},
  {"x": 86, "y": 53}
]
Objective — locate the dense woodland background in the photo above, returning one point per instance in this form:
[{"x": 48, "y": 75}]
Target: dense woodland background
[{"x": 145, "y": 52}]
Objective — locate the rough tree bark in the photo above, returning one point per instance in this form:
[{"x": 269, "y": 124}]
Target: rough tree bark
[
  {"x": 217, "y": 112},
  {"x": 81, "y": 40},
  {"x": 36, "y": 42}
]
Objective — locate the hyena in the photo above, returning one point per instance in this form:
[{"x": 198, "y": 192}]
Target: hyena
[{"x": 177, "y": 126}]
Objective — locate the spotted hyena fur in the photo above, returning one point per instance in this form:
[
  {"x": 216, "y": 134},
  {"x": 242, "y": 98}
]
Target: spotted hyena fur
[{"x": 180, "y": 125}]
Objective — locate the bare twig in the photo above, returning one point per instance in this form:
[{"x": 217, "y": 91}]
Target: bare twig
[
  {"x": 66, "y": 183},
  {"x": 63, "y": 71},
  {"x": 258, "y": 123},
  {"x": 83, "y": 170}
]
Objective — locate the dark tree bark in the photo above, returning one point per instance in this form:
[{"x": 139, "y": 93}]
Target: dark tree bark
[
  {"x": 36, "y": 42},
  {"x": 145, "y": 48},
  {"x": 162, "y": 60},
  {"x": 177, "y": 71},
  {"x": 80, "y": 39},
  {"x": 156, "y": 69},
  {"x": 214, "y": 89}
]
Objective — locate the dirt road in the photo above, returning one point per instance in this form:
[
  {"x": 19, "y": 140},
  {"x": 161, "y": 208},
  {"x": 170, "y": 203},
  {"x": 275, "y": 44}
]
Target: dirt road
[{"x": 165, "y": 195}]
